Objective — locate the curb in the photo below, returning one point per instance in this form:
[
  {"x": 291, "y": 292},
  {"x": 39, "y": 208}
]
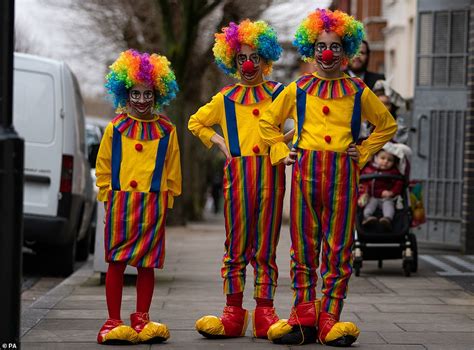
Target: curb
[{"x": 34, "y": 313}]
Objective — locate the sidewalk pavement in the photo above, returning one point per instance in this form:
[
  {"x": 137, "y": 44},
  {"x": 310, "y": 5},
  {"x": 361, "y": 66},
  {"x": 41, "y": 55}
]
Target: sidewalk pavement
[{"x": 394, "y": 312}]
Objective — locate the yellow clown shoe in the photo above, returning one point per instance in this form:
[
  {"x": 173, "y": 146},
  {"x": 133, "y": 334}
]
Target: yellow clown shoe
[
  {"x": 334, "y": 333},
  {"x": 114, "y": 332},
  {"x": 148, "y": 332},
  {"x": 232, "y": 323},
  {"x": 300, "y": 328}
]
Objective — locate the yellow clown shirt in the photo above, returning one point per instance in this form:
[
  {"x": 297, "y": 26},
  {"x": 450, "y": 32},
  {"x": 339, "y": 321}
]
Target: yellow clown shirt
[
  {"x": 138, "y": 153},
  {"x": 327, "y": 107},
  {"x": 236, "y": 109}
]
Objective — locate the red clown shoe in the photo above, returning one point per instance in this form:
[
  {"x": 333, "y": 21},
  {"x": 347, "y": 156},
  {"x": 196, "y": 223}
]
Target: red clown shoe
[
  {"x": 263, "y": 318},
  {"x": 233, "y": 323},
  {"x": 114, "y": 332},
  {"x": 334, "y": 333},
  {"x": 300, "y": 328},
  {"x": 148, "y": 332}
]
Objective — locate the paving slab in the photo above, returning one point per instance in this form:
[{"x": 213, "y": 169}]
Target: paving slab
[
  {"x": 393, "y": 312},
  {"x": 429, "y": 338}
]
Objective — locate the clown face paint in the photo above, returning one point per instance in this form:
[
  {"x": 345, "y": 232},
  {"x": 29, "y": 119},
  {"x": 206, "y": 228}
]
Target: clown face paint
[
  {"x": 140, "y": 101},
  {"x": 329, "y": 55},
  {"x": 250, "y": 65}
]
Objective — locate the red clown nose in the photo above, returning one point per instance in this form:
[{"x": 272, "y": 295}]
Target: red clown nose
[
  {"x": 327, "y": 56},
  {"x": 248, "y": 67}
]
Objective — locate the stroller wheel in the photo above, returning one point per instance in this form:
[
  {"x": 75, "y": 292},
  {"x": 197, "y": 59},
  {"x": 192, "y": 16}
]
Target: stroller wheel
[{"x": 380, "y": 264}]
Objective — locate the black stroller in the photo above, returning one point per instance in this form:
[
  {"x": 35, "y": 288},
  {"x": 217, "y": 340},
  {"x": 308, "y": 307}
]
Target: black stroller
[{"x": 374, "y": 243}]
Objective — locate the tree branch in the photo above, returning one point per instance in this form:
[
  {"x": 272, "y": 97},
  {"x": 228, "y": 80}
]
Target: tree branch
[{"x": 205, "y": 10}]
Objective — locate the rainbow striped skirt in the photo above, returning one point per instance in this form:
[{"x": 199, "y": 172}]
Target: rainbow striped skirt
[{"x": 135, "y": 228}]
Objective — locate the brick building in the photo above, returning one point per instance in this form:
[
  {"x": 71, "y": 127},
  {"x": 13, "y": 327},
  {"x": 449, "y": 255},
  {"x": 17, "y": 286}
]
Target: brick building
[{"x": 369, "y": 12}]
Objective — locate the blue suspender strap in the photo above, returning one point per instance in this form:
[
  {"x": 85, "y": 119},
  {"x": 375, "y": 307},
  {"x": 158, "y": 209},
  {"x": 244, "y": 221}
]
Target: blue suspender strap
[
  {"x": 277, "y": 91},
  {"x": 159, "y": 163},
  {"x": 116, "y": 159},
  {"x": 356, "y": 116},
  {"x": 232, "y": 132},
  {"x": 300, "y": 113}
]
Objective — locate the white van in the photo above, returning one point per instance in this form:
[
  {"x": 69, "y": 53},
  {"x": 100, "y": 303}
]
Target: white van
[{"x": 58, "y": 191}]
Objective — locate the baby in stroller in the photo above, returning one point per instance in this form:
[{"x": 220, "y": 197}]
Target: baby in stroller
[
  {"x": 372, "y": 239},
  {"x": 382, "y": 192}
]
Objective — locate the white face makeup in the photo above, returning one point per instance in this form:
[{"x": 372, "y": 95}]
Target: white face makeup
[
  {"x": 141, "y": 100},
  {"x": 329, "y": 53},
  {"x": 249, "y": 65}
]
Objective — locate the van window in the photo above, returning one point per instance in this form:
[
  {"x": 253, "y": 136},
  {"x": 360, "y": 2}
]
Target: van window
[{"x": 33, "y": 106}]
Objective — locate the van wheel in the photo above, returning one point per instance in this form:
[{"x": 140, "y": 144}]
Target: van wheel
[
  {"x": 60, "y": 259},
  {"x": 66, "y": 259}
]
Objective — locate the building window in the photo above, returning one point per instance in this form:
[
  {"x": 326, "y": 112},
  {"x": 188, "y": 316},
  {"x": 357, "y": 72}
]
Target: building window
[{"x": 442, "y": 48}]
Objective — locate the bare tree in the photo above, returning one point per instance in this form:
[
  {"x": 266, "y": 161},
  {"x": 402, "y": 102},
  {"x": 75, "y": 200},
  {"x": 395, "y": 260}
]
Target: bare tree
[{"x": 24, "y": 40}]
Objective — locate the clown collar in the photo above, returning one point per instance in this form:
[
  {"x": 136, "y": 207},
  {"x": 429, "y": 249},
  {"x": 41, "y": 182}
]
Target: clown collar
[
  {"x": 143, "y": 130},
  {"x": 324, "y": 88},
  {"x": 247, "y": 95}
]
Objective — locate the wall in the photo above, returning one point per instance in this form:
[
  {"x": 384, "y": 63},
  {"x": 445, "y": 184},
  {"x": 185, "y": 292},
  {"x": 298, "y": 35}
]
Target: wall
[{"x": 400, "y": 44}]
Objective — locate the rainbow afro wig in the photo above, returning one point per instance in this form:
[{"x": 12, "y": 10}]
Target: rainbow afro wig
[
  {"x": 258, "y": 35},
  {"x": 346, "y": 27},
  {"x": 132, "y": 68}
]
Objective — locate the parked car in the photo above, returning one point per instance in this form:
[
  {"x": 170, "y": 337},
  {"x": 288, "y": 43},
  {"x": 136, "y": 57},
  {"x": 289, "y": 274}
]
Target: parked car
[
  {"x": 59, "y": 200},
  {"x": 94, "y": 134}
]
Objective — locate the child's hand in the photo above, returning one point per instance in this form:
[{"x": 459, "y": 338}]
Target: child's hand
[
  {"x": 353, "y": 152},
  {"x": 219, "y": 141},
  {"x": 105, "y": 208},
  {"x": 362, "y": 201},
  {"x": 289, "y": 136},
  {"x": 387, "y": 194},
  {"x": 291, "y": 158}
]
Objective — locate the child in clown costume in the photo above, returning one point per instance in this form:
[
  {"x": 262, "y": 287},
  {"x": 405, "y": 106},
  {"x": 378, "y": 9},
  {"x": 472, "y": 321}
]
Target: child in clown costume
[
  {"x": 328, "y": 106},
  {"x": 253, "y": 188},
  {"x": 138, "y": 174}
]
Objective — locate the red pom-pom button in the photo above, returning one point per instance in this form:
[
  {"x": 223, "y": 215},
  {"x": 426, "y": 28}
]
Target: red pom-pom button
[
  {"x": 256, "y": 112},
  {"x": 327, "y": 138},
  {"x": 133, "y": 184},
  {"x": 256, "y": 149},
  {"x": 139, "y": 147},
  {"x": 326, "y": 110},
  {"x": 327, "y": 56}
]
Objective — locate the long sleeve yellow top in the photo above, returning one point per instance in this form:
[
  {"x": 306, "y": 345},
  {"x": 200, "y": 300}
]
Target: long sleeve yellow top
[
  {"x": 328, "y": 114},
  {"x": 138, "y": 162},
  {"x": 250, "y": 103}
]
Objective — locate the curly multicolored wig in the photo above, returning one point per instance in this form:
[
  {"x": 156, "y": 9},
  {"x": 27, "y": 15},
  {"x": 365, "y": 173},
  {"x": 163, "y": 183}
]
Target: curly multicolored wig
[
  {"x": 346, "y": 27},
  {"x": 258, "y": 35},
  {"x": 132, "y": 68}
]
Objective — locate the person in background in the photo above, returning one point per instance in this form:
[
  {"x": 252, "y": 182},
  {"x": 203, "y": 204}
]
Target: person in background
[
  {"x": 397, "y": 106},
  {"x": 359, "y": 64}
]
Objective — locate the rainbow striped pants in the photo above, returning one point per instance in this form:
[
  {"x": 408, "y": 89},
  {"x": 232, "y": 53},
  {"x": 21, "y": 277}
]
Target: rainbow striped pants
[
  {"x": 323, "y": 207},
  {"x": 253, "y": 202},
  {"x": 135, "y": 228}
]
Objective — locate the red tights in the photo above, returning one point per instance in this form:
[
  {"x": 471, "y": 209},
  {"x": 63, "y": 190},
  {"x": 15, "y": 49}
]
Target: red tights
[{"x": 114, "y": 286}]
